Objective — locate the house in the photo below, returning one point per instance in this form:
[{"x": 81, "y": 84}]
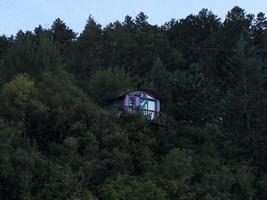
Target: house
[{"x": 139, "y": 102}]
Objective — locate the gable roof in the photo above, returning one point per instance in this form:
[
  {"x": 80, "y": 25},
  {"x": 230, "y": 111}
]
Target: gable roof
[{"x": 149, "y": 92}]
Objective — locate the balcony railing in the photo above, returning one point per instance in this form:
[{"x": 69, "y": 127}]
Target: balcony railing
[{"x": 151, "y": 115}]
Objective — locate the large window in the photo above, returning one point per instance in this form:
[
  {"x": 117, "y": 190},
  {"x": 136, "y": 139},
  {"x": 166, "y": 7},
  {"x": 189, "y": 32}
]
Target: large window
[{"x": 148, "y": 107}]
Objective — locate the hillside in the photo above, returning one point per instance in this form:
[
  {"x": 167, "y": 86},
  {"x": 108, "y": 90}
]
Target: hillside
[{"x": 60, "y": 141}]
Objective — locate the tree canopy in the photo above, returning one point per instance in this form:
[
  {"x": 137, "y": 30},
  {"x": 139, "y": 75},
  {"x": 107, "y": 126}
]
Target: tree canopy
[{"x": 59, "y": 140}]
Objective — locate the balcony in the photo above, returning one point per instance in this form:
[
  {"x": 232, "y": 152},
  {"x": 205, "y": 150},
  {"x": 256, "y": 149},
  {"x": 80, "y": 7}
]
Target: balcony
[{"x": 152, "y": 116}]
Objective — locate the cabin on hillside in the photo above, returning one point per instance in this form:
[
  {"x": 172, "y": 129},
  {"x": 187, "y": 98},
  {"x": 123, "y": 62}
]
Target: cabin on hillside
[{"x": 139, "y": 102}]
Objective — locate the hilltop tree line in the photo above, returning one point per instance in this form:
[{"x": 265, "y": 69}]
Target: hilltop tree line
[{"x": 59, "y": 141}]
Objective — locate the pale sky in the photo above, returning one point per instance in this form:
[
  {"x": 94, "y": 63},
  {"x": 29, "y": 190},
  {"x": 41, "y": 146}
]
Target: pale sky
[{"x": 28, "y": 14}]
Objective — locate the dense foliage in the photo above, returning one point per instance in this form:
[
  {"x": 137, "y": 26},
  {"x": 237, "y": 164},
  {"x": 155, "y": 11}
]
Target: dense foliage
[{"x": 59, "y": 141}]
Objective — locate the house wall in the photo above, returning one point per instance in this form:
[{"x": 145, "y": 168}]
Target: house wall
[
  {"x": 146, "y": 95},
  {"x": 158, "y": 106},
  {"x": 138, "y": 102},
  {"x": 126, "y": 100}
]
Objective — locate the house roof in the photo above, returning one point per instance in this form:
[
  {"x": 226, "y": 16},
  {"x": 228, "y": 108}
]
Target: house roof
[{"x": 149, "y": 92}]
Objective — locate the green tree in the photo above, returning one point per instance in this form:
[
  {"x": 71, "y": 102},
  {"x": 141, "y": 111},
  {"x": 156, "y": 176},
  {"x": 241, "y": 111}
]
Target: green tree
[
  {"x": 4, "y": 43},
  {"x": 243, "y": 101},
  {"x": 235, "y": 22},
  {"x": 87, "y": 51},
  {"x": 245, "y": 177},
  {"x": 194, "y": 97},
  {"x": 108, "y": 83},
  {"x": 141, "y": 21},
  {"x": 123, "y": 188},
  {"x": 62, "y": 33},
  {"x": 63, "y": 36},
  {"x": 31, "y": 57},
  {"x": 67, "y": 110},
  {"x": 16, "y": 97},
  {"x": 17, "y": 159},
  {"x": 175, "y": 173}
]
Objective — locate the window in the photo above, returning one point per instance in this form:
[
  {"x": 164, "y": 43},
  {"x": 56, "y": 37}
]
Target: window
[
  {"x": 132, "y": 101},
  {"x": 148, "y": 107},
  {"x": 132, "y": 104}
]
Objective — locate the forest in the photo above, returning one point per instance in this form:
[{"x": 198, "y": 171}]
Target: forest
[{"x": 60, "y": 141}]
